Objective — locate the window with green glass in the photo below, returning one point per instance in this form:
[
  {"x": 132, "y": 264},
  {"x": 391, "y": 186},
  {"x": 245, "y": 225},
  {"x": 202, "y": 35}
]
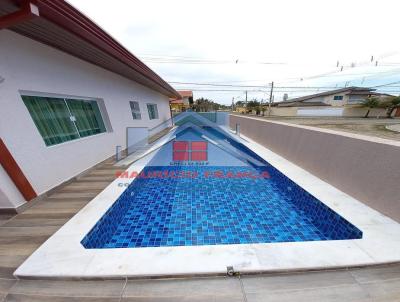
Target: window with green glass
[
  {"x": 135, "y": 109},
  {"x": 153, "y": 111},
  {"x": 60, "y": 120},
  {"x": 86, "y": 116}
]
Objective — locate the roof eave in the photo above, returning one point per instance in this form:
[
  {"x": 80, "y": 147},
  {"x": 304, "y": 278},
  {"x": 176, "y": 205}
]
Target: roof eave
[{"x": 70, "y": 19}]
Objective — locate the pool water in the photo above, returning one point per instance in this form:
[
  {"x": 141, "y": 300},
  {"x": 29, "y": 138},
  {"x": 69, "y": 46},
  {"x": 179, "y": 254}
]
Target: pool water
[{"x": 224, "y": 200}]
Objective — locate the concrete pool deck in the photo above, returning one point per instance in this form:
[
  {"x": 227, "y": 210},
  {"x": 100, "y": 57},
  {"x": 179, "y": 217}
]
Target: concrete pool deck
[
  {"x": 62, "y": 256},
  {"x": 381, "y": 283},
  {"x": 21, "y": 234}
]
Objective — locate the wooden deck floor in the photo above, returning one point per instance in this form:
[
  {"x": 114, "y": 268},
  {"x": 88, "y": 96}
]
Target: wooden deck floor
[
  {"x": 158, "y": 135},
  {"x": 20, "y": 235}
]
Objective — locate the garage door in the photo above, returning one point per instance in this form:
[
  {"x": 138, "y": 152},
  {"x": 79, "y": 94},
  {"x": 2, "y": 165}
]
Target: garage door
[{"x": 320, "y": 112}]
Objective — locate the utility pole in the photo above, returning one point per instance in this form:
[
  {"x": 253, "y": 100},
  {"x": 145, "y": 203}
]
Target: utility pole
[
  {"x": 270, "y": 98},
  {"x": 233, "y": 103},
  {"x": 246, "y": 98}
]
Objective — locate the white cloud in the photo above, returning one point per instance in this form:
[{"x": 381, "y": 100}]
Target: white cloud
[{"x": 309, "y": 35}]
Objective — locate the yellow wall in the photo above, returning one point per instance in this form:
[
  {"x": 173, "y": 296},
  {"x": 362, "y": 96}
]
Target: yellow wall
[
  {"x": 179, "y": 107},
  {"x": 240, "y": 109},
  {"x": 282, "y": 111}
]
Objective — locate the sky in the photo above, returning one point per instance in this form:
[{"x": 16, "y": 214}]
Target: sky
[{"x": 303, "y": 46}]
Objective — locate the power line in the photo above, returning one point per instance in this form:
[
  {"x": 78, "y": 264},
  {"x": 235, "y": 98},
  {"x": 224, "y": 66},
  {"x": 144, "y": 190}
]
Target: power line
[
  {"x": 192, "y": 60},
  {"x": 221, "y": 83},
  {"x": 277, "y": 87},
  {"x": 276, "y": 90},
  {"x": 252, "y": 86},
  {"x": 333, "y": 75},
  {"x": 383, "y": 85},
  {"x": 223, "y": 90}
]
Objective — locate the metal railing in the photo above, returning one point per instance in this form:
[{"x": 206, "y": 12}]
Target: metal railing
[
  {"x": 211, "y": 116},
  {"x": 138, "y": 139},
  {"x": 160, "y": 127}
]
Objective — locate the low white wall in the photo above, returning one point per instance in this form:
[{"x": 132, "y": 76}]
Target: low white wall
[
  {"x": 331, "y": 111},
  {"x": 347, "y": 111},
  {"x": 31, "y": 66}
]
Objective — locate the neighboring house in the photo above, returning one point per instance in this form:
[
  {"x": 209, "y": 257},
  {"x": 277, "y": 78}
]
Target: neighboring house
[
  {"x": 68, "y": 91},
  {"x": 338, "y": 102},
  {"x": 182, "y": 103}
]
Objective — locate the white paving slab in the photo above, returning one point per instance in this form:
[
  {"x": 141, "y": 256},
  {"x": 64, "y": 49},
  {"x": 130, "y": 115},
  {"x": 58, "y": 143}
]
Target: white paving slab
[{"x": 62, "y": 255}]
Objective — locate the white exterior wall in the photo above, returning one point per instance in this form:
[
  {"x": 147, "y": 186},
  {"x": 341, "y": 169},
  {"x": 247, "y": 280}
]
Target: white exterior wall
[
  {"x": 330, "y": 111},
  {"x": 9, "y": 194},
  {"x": 336, "y": 103},
  {"x": 31, "y": 66},
  {"x": 329, "y": 100}
]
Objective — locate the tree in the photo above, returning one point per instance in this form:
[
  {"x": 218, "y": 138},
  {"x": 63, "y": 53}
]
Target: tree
[
  {"x": 390, "y": 105},
  {"x": 205, "y": 105},
  {"x": 254, "y": 105},
  {"x": 263, "y": 109},
  {"x": 370, "y": 103},
  {"x": 240, "y": 104}
]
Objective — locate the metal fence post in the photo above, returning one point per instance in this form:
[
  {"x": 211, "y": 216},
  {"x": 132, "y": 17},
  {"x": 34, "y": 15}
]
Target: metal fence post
[{"x": 118, "y": 153}]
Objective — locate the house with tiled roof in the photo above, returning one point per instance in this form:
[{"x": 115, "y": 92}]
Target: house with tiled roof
[
  {"x": 182, "y": 103},
  {"x": 338, "y": 102}
]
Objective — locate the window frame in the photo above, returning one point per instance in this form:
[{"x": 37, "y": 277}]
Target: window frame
[
  {"x": 136, "y": 114},
  {"x": 104, "y": 126},
  {"x": 338, "y": 97},
  {"x": 157, "y": 116}
]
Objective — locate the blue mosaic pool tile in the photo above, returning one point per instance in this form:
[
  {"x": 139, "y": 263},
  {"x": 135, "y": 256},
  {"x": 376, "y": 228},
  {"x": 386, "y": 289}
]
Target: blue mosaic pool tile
[{"x": 154, "y": 212}]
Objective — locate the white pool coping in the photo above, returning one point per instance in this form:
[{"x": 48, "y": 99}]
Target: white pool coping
[{"x": 63, "y": 256}]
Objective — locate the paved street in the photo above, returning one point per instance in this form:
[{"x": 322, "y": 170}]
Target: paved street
[{"x": 369, "y": 126}]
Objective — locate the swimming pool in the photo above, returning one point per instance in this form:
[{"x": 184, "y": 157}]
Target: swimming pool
[{"x": 229, "y": 196}]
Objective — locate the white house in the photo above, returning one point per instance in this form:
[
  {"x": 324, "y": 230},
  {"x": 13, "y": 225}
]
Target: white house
[
  {"x": 68, "y": 91},
  {"x": 338, "y": 102}
]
